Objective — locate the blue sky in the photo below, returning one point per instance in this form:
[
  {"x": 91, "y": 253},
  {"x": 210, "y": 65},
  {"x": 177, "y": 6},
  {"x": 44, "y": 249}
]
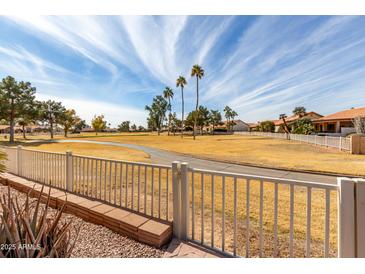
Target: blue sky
[{"x": 260, "y": 66}]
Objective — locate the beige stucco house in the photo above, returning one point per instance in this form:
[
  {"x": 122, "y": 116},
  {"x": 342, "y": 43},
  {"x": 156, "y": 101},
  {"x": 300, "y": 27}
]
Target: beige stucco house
[{"x": 339, "y": 122}]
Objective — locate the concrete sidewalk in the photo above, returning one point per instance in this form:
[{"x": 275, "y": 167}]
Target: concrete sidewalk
[{"x": 178, "y": 249}]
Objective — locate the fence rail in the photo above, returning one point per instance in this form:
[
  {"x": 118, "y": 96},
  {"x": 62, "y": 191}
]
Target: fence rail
[
  {"x": 342, "y": 143},
  {"x": 146, "y": 188},
  {"x": 247, "y": 207},
  {"x": 238, "y": 215}
]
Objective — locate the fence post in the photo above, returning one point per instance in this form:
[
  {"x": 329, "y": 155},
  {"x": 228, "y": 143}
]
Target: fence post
[
  {"x": 315, "y": 139},
  {"x": 184, "y": 213},
  {"x": 346, "y": 218},
  {"x": 18, "y": 160},
  {"x": 69, "y": 171},
  {"x": 176, "y": 178},
  {"x": 360, "y": 218},
  {"x": 325, "y": 141},
  {"x": 340, "y": 145}
]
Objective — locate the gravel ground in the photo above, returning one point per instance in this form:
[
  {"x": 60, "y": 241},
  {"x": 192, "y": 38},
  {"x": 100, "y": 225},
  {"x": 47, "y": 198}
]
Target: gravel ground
[{"x": 95, "y": 241}]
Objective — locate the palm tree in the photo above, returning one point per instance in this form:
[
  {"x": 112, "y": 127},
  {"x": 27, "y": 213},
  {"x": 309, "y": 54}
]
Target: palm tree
[
  {"x": 168, "y": 94},
  {"x": 23, "y": 123},
  {"x": 198, "y": 72},
  {"x": 181, "y": 82},
  {"x": 286, "y": 127},
  {"x": 299, "y": 111}
]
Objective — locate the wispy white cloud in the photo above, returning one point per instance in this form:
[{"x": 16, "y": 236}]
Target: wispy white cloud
[
  {"x": 154, "y": 41},
  {"x": 87, "y": 108},
  {"x": 261, "y": 66}
]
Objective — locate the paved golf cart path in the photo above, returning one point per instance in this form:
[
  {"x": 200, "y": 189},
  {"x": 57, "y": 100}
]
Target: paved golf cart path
[{"x": 159, "y": 156}]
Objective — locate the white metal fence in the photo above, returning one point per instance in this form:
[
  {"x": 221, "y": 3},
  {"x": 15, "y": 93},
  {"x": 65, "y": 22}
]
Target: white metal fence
[
  {"x": 239, "y": 215},
  {"x": 247, "y": 207},
  {"x": 146, "y": 188},
  {"x": 342, "y": 143}
]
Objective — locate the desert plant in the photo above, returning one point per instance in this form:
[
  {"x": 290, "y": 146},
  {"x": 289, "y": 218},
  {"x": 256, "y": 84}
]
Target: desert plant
[{"x": 27, "y": 231}]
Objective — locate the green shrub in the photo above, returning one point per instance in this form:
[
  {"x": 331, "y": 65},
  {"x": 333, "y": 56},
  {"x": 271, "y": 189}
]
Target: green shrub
[
  {"x": 303, "y": 126},
  {"x": 267, "y": 126},
  {"x": 27, "y": 231}
]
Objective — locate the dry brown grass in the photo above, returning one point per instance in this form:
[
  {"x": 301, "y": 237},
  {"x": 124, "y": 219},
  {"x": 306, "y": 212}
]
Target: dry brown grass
[
  {"x": 103, "y": 151},
  {"x": 257, "y": 150},
  {"x": 280, "y": 153}
]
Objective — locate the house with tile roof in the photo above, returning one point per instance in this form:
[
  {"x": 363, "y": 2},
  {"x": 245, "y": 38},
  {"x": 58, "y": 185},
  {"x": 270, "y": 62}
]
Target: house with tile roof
[
  {"x": 340, "y": 122},
  {"x": 292, "y": 119},
  {"x": 239, "y": 125}
]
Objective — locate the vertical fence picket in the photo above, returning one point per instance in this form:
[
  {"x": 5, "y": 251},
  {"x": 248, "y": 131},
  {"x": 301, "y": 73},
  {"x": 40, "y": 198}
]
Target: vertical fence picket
[
  {"x": 213, "y": 211},
  {"x": 261, "y": 239},
  {"x": 89, "y": 174},
  {"x": 309, "y": 212},
  {"x": 276, "y": 195},
  {"x": 291, "y": 233}
]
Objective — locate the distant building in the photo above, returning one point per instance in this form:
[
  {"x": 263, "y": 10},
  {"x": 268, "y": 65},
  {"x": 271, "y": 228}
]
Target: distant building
[
  {"x": 239, "y": 125},
  {"x": 253, "y": 126},
  {"x": 87, "y": 129},
  {"x": 340, "y": 123}
]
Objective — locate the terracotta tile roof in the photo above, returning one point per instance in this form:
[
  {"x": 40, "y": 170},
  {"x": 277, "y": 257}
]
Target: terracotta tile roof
[
  {"x": 296, "y": 117},
  {"x": 348, "y": 114},
  {"x": 252, "y": 124}
]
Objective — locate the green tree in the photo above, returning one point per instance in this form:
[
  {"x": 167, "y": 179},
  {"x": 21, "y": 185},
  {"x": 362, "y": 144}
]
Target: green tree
[
  {"x": 197, "y": 72},
  {"x": 124, "y": 126},
  {"x": 80, "y": 125},
  {"x": 181, "y": 82},
  {"x": 215, "y": 118},
  {"x": 168, "y": 94},
  {"x": 29, "y": 117},
  {"x": 189, "y": 120},
  {"x": 157, "y": 113},
  {"x": 303, "y": 126},
  {"x": 230, "y": 114},
  {"x": 175, "y": 123},
  {"x": 16, "y": 100},
  {"x": 52, "y": 113},
  {"x": 69, "y": 120},
  {"x": 98, "y": 123},
  {"x": 202, "y": 118},
  {"x": 267, "y": 126},
  {"x": 133, "y": 127},
  {"x": 300, "y": 111}
]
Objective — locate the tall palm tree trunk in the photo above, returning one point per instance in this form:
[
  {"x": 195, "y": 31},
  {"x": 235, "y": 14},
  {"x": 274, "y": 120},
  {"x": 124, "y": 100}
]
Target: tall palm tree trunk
[
  {"x": 196, "y": 107},
  {"x": 182, "y": 112},
  {"x": 23, "y": 127},
  {"x": 11, "y": 138},
  {"x": 168, "y": 131},
  {"x": 51, "y": 129}
]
